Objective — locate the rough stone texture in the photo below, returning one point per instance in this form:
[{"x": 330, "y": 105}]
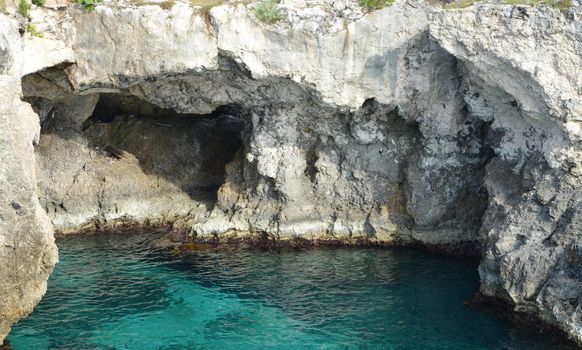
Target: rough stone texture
[
  {"x": 170, "y": 169},
  {"x": 527, "y": 66},
  {"x": 27, "y": 249},
  {"x": 343, "y": 174},
  {"x": 123, "y": 58},
  {"x": 412, "y": 125},
  {"x": 375, "y": 168}
]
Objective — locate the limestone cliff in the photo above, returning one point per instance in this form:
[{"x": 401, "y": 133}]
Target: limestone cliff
[
  {"x": 27, "y": 249},
  {"x": 455, "y": 129}
]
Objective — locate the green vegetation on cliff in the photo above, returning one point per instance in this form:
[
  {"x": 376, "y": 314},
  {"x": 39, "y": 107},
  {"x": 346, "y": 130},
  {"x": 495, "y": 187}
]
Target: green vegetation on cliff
[
  {"x": 88, "y": 5},
  {"x": 267, "y": 12},
  {"x": 375, "y": 4},
  {"x": 23, "y": 8}
]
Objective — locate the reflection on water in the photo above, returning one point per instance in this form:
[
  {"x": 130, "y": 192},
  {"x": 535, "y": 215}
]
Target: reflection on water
[{"x": 117, "y": 292}]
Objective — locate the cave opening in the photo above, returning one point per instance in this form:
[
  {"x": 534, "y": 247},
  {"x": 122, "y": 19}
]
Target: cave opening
[
  {"x": 110, "y": 158},
  {"x": 189, "y": 150},
  {"x": 258, "y": 154}
]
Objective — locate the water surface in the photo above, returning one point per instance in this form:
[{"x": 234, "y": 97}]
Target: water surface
[{"x": 117, "y": 292}]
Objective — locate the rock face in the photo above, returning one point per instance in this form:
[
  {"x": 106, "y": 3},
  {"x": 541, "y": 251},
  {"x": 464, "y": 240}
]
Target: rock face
[
  {"x": 27, "y": 249},
  {"x": 532, "y": 228},
  {"x": 411, "y": 125},
  {"x": 356, "y": 150}
]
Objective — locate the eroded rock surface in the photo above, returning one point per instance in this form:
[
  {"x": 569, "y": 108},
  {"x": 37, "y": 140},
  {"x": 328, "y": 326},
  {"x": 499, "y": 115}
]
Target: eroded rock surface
[
  {"x": 531, "y": 231},
  {"x": 27, "y": 249},
  {"x": 411, "y": 125}
]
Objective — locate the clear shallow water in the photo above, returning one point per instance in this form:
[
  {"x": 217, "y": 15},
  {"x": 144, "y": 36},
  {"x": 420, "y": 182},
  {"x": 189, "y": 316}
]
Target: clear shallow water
[{"x": 116, "y": 292}]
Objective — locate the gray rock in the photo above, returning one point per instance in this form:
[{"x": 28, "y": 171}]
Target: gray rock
[{"x": 27, "y": 249}]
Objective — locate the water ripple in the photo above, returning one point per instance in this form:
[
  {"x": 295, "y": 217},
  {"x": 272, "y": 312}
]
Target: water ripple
[{"x": 118, "y": 292}]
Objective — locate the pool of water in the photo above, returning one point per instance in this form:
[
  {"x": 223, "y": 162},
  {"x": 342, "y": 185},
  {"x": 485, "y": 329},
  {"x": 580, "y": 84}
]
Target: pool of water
[{"x": 117, "y": 292}]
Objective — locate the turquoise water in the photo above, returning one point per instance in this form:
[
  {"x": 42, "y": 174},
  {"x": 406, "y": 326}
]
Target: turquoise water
[{"x": 117, "y": 292}]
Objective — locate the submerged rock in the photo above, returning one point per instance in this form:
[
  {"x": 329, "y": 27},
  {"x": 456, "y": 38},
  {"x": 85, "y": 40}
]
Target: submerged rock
[{"x": 413, "y": 125}]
